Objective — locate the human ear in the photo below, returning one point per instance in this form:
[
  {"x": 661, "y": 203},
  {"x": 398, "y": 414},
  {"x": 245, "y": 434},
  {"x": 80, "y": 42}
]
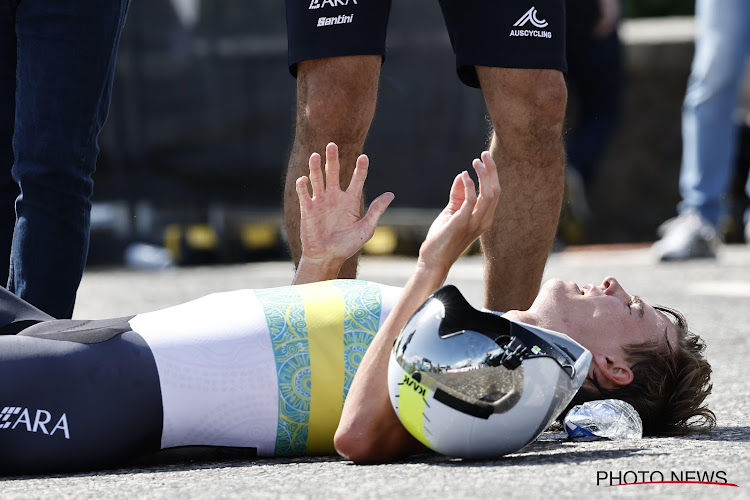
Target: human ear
[{"x": 615, "y": 372}]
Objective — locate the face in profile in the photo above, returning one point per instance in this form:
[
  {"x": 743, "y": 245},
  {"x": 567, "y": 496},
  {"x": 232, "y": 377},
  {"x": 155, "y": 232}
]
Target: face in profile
[{"x": 603, "y": 318}]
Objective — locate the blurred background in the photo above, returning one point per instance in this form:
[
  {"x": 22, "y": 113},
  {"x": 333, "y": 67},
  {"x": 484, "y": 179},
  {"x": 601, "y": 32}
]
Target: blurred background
[{"x": 202, "y": 118}]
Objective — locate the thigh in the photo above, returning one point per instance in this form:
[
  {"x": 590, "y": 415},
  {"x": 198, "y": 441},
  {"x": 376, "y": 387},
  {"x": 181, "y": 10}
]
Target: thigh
[
  {"x": 723, "y": 41},
  {"x": 75, "y": 406},
  {"x": 329, "y": 28},
  {"x": 505, "y": 34},
  {"x": 66, "y": 55}
]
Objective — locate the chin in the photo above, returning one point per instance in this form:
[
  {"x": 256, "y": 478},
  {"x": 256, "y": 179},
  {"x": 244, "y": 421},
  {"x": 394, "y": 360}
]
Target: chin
[
  {"x": 552, "y": 294},
  {"x": 553, "y": 283},
  {"x": 559, "y": 287}
]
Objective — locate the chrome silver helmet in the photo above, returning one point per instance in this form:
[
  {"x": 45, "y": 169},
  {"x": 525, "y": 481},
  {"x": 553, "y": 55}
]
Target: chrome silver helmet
[{"x": 472, "y": 384}]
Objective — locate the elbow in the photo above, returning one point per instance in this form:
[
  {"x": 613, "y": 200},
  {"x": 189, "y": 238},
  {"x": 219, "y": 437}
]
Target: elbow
[
  {"x": 373, "y": 446},
  {"x": 354, "y": 445}
]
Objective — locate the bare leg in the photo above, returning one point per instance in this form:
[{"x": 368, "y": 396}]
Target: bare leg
[
  {"x": 335, "y": 103},
  {"x": 527, "y": 108}
]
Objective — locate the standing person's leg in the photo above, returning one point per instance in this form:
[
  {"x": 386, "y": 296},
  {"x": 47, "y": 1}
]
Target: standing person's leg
[
  {"x": 8, "y": 187},
  {"x": 596, "y": 74},
  {"x": 527, "y": 108},
  {"x": 745, "y": 14},
  {"x": 66, "y": 60},
  {"x": 335, "y": 51},
  {"x": 709, "y": 131},
  {"x": 516, "y": 53},
  {"x": 595, "y": 79},
  {"x": 335, "y": 103}
]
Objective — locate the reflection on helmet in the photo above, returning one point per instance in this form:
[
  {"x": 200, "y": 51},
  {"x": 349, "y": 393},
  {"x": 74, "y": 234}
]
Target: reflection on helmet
[{"x": 472, "y": 384}]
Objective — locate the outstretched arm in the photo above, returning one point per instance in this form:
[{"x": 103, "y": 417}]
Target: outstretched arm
[
  {"x": 331, "y": 226},
  {"x": 369, "y": 430}
]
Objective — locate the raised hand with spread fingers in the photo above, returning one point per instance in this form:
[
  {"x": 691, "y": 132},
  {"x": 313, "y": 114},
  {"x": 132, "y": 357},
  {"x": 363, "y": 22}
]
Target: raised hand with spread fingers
[
  {"x": 465, "y": 217},
  {"x": 332, "y": 228}
]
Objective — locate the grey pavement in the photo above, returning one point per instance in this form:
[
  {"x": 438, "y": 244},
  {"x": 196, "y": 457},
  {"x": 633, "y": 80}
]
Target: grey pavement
[{"x": 714, "y": 295}]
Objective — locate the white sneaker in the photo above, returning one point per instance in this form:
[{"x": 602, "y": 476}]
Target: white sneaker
[{"x": 687, "y": 236}]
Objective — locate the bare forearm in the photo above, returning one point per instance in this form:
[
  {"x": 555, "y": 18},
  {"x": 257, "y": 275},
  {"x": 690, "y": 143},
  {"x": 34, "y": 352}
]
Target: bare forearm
[{"x": 369, "y": 430}]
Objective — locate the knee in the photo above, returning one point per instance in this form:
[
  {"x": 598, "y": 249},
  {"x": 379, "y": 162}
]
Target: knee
[
  {"x": 328, "y": 120},
  {"x": 548, "y": 98},
  {"x": 336, "y": 99},
  {"x": 537, "y": 101}
]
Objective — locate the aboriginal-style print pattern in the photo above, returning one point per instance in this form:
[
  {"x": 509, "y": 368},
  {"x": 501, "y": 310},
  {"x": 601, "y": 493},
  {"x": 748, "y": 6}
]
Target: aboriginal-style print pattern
[
  {"x": 285, "y": 315},
  {"x": 361, "y": 322}
]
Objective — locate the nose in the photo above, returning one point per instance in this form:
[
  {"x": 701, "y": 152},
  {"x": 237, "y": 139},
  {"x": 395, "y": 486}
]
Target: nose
[
  {"x": 610, "y": 285},
  {"x": 613, "y": 287}
]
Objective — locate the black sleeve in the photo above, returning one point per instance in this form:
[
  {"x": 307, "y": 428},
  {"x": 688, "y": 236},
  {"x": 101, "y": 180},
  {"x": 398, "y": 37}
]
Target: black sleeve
[{"x": 87, "y": 402}]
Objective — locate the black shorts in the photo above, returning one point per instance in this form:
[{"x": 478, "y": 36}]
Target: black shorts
[
  {"x": 496, "y": 33},
  {"x": 74, "y": 395}
]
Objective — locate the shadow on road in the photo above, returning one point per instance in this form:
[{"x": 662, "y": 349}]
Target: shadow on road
[
  {"x": 183, "y": 459},
  {"x": 724, "y": 434},
  {"x": 538, "y": 453},
  {"x": 535, "y": 458}
]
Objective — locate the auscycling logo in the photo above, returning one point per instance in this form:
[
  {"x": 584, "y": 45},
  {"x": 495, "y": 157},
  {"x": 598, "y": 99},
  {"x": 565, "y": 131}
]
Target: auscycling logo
[
  {"x": 531, "y": 17},
  {"x": 37, "y": 421},
  {"x": 632, "y": 477}
]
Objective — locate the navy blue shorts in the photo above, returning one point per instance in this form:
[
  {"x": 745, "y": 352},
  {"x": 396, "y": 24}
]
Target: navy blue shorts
[
  {"x": 75, "y": 395},
  {"x": 496, "y": 33}
]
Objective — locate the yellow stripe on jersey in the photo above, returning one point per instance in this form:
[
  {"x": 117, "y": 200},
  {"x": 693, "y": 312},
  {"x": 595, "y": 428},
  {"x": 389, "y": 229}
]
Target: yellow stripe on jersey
[
  {"x": 324, "y": 316},
  {"x": 319, "y": 333}
]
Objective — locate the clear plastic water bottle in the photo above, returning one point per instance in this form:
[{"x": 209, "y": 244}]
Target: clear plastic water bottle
[{"x": 607, "y": 418}]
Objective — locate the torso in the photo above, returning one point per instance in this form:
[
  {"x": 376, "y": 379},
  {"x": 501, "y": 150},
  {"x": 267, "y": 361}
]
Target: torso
[{"x": 265, "y": 368}]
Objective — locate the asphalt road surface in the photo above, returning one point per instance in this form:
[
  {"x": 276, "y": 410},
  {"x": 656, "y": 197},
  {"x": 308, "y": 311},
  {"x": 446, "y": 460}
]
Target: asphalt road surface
[{"x": 714, "y": 295}]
